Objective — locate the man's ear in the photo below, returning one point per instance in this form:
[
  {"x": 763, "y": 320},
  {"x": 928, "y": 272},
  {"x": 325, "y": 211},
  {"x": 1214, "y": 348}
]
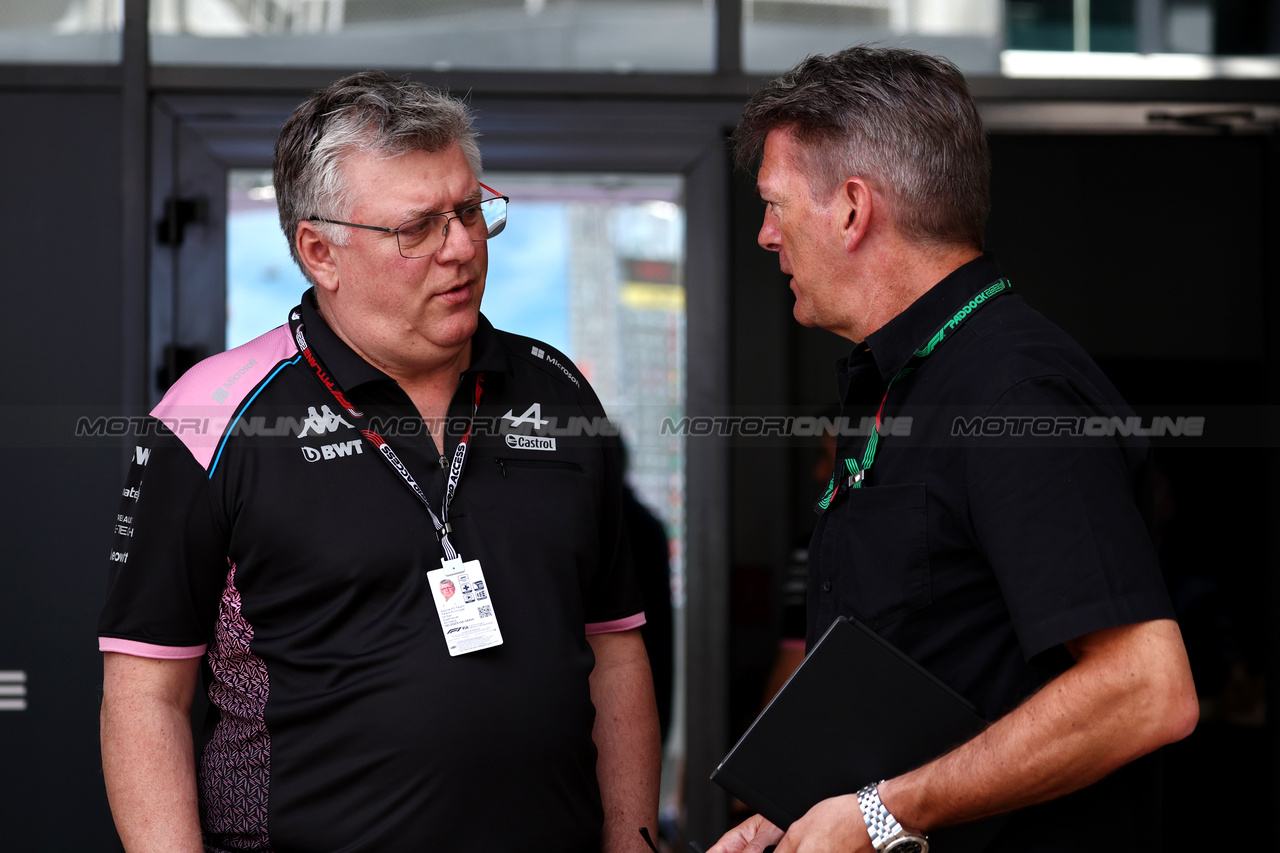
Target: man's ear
[
  {"x": 856, "y": 207},
  {"x": 317, "y": 256}
]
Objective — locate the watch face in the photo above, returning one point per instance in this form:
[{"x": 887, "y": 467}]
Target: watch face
[{"x": 908, "y": 844}]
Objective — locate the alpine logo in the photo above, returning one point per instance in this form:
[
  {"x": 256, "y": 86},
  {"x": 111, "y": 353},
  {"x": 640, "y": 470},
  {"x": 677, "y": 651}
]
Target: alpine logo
[
  {"x": 333, "y": 451},
  {"x": 532, "y": 415},
  {"x": 322, "y": 422}
]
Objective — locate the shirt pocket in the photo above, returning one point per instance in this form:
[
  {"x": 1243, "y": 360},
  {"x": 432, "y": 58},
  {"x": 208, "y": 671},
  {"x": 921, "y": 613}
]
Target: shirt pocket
[{"x": 877, "y": 550}]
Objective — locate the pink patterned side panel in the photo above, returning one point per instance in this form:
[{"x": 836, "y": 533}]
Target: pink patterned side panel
[{"x": 235, "y": 770}]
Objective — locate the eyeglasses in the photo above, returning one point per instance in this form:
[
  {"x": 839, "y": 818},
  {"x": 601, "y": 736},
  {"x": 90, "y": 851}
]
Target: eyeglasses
[{"x": 424, "y": 236}]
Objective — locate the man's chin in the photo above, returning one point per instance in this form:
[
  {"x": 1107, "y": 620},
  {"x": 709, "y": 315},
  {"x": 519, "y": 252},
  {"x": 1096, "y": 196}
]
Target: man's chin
[{"x": 803, "y": 316}]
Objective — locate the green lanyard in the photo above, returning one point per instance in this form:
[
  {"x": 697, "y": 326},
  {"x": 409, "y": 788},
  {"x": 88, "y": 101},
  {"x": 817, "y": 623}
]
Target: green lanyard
[{"x": 856, "y": 470}]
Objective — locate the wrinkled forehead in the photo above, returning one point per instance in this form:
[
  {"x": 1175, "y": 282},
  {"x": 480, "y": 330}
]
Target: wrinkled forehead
[
  {"x": 782, "y": 162},
  {"x": 410, "y": 183}
]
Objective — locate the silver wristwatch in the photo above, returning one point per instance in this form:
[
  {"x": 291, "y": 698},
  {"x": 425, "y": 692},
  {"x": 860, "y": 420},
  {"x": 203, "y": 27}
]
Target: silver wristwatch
[{"x": 887, "y": 835}]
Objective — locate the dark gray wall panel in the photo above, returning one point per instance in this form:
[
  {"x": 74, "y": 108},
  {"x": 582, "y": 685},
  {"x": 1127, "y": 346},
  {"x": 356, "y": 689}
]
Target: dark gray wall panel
[{"x": 60, "y": 239}]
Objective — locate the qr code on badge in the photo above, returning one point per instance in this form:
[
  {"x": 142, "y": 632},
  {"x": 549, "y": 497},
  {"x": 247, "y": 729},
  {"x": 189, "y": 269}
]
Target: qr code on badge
[{"x": 485, "y": 611}]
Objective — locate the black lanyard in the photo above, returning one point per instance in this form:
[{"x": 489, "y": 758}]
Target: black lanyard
[
  {"x": 856, "y": 469},
  {"x": 441, "y": 521}
]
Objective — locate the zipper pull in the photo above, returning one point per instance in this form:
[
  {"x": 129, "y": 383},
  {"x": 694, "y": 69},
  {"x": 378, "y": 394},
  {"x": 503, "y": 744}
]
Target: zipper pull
[{"x": 498, "y": 459}]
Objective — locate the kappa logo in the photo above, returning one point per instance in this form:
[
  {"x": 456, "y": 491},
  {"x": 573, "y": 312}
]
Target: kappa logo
[
  {"x": 333, "y": 451},
  {"x": 321, "y": 422},
  {"x": 532, "y": 415}
]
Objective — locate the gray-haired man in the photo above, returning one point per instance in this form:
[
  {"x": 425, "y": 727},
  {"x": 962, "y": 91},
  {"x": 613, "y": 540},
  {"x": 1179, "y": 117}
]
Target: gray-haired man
[
  {"x": 1012, "y": 563},
  {"x": 299, "y": 567}
]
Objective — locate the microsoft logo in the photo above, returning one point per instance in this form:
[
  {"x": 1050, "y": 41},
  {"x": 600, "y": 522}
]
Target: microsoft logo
[{"x": 538, "y": 352}]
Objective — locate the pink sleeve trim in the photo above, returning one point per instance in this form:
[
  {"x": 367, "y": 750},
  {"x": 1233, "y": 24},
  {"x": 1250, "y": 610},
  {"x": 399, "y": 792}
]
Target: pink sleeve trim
[
  {"x": 148, "y": 650},
  {"x": 616, "y": 625},
  {"x": 793, "y": 643}
]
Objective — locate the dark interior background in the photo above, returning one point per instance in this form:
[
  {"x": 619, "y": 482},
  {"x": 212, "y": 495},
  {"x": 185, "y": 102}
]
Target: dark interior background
[
  {"x": 1156, "y": 250},
  {"x": 1157, "y": 253}
]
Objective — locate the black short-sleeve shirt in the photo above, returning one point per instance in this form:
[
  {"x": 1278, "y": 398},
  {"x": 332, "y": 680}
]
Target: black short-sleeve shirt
[
  {"x": 1002, "y": 517},
  {"x": 261, "y": 530}
]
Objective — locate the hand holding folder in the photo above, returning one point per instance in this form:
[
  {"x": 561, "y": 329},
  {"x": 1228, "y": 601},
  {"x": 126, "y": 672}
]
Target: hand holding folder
[{"x": 855, "y": 712}]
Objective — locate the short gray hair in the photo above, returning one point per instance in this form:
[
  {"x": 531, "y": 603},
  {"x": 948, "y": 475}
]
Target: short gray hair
[
  {"x": 903, "y": 120},
  {"x": 366, "y": 112}
]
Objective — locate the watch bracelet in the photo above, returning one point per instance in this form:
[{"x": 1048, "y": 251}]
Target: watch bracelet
[{"x": 882, "y": 827}]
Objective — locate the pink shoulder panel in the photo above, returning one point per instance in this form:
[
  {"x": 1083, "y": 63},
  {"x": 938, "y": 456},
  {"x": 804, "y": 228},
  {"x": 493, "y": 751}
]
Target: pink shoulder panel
[{"x": 200, "y": 405}]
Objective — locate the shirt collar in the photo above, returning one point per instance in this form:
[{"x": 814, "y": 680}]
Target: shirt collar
[
  {"x": 350, "y": 371},
  {"x": 893, "y": 344}
]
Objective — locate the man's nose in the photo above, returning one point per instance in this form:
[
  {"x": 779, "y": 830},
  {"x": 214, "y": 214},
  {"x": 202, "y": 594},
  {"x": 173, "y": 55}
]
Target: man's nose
[
  {"x": 458, "y": 245},
  {"x": 770, "y": 235}
]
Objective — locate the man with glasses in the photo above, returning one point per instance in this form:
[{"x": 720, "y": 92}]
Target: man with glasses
[
  {"x": 1000, "y": 543},
  {"x": 385, "y": 443}
]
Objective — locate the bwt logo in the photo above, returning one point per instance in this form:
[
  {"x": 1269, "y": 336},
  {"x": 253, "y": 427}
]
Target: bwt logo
[{"x": 333, "y": 451}]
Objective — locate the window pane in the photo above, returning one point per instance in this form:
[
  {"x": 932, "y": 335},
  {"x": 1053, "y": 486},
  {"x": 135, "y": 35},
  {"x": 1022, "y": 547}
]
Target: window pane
[
  {"x": 594, "y": 266},
  {"x": 1072, "y": 25},
  {"x": 263, "y": 282},
  {"x": 61, "y": 31},
  {"x": 779, "y": 33},
  {"x": 1140, "y": 39},
  {"x": 596, "y": 35}
]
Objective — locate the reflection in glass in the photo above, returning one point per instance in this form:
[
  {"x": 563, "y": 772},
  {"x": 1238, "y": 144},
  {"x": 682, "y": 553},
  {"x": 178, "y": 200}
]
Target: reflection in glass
[
  {"x": 61, "y": 31},
  {"x": 601, "y": 35},
  {"x": 776, "y": 34}
]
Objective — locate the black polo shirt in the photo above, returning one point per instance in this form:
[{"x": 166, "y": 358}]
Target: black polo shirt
[
  {"x": 1000, "y": 519},
  {"x": 261, "y": 530}
]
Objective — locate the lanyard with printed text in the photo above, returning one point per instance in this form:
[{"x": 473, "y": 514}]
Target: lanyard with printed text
[
  {"x": 856, "y": 469},
  {"x": 441, "y": 521}
]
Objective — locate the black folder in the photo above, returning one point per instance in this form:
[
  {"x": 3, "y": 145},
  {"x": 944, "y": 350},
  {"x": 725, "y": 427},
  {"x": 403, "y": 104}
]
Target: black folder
[{"x": 856, "y": 711}]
